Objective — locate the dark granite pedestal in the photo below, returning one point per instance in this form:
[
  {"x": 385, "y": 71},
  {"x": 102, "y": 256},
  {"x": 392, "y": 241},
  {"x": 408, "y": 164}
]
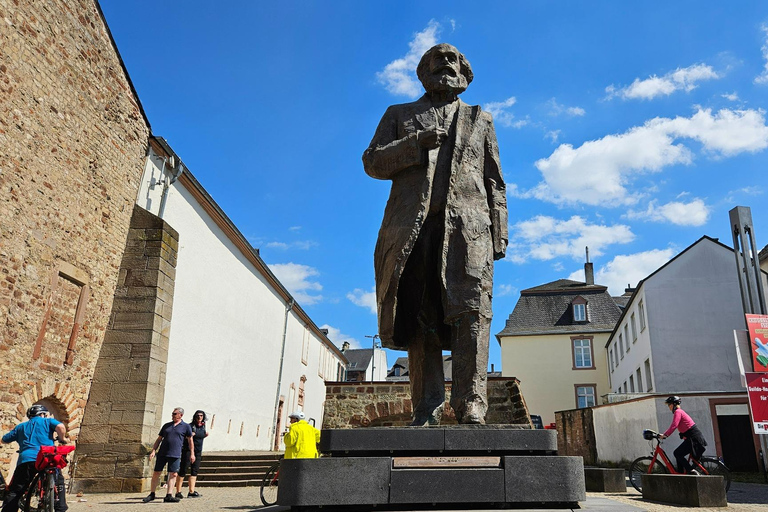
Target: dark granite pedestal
[{"x": 445, "y": 466}]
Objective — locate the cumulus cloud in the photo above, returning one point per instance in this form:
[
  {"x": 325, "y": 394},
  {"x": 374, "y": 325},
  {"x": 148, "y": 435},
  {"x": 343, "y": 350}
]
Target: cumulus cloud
[
  {"x": 681, "y": 79},
  {"x": 556, "y": 109},
  {"x": 694, "y": 213},
  {"x": 735, "y": 195},
  {"x": 297, "y": 280},
  {"x": 627, "y": 269},
  {"x": 762, "y": 78},
  {"x": 338, "y": 338},
  {"x": 364, "y": 299},
  {"x": 545, "y": 238},
  {"x": 399, "y": 76},
  {"x": 731, "y": 96},
  {"x": 599, "y": 171},
  {"x": 501, "y": 114}
]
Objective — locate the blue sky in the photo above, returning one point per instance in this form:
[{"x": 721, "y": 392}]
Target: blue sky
[{"x": 631, "y": 128}]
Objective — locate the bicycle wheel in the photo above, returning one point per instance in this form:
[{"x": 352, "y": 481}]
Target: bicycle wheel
[
  {"x": 50, "y": 492},
  {"x": 713, "y": 466},
  {"x": 639, "y": 467},
  {"x": 269, "y": 485},
  {"x": 32, "y": 498}
]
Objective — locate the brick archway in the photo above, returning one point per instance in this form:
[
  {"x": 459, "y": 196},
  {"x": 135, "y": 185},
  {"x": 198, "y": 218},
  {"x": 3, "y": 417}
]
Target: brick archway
[{"x": 60, "y": 397}]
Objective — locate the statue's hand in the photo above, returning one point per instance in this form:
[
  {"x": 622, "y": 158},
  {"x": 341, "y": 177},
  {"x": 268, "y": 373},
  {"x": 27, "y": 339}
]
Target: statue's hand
[{"x": 431, "y": 137}]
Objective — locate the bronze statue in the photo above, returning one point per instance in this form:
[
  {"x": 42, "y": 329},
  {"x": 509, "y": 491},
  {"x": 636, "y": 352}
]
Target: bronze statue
[{"x": 444, "y": 225}]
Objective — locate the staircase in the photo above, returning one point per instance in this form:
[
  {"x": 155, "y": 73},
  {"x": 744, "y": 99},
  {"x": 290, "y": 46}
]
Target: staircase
[{"x": 234, "y": 469}]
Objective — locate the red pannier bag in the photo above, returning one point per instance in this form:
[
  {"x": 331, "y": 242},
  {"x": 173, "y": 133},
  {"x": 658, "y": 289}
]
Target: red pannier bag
[{"x": 52, "y": 457}]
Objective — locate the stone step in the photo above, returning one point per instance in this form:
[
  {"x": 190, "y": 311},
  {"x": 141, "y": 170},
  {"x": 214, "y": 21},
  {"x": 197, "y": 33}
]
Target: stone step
[{"x": 234, "y": 469}]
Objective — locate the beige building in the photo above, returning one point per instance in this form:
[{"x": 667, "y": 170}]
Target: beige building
[{"x": 553, "y": 343}]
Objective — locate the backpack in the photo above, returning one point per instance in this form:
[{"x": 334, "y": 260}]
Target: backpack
[{"x": 52, "y": 457}]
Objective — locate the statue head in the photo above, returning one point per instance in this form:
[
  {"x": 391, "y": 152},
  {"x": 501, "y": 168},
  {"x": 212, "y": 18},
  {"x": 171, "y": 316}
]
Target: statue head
[{"x": 443, "y": 68}]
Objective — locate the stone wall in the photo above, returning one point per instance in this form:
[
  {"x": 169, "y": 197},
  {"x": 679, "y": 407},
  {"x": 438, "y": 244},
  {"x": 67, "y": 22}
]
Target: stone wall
[
  {"x": 125, "y": 405},
  {"x": 576, "y": 434},
  {"x": 384, "y": 404},
  {"x": 73, "y": 140}
]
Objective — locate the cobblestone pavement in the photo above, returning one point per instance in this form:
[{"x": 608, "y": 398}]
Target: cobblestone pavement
[{"x": 741, "y": 498}]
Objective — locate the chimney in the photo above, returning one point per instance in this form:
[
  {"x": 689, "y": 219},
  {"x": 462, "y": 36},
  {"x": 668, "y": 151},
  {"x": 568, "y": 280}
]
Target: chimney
[
  {"x": 491, "y": 367},
  {"x": 344, "y": 346},
  {"x": 589, "y": 271}
]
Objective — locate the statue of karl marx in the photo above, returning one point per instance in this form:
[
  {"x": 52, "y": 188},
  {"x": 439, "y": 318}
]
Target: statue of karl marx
[{"x": 444, "y": 225}]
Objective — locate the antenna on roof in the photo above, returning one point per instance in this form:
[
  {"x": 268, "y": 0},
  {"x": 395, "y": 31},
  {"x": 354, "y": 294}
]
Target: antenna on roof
[{"x": 587, "y": 254}]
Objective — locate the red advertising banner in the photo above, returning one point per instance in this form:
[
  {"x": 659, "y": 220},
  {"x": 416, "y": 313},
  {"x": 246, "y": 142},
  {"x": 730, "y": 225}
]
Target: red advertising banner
[
  {"x": 758, "y": 341},
  {"x": 757, "y": 389}
]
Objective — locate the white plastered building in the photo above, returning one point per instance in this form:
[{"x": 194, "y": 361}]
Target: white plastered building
[{"x": 240, "y": 347}]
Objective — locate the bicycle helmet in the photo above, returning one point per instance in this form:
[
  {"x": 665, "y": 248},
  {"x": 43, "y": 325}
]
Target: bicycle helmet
[
  {"x": 299, "y": 415},
  {"x": 36, "y": 410},
  {"x": 673, "y": 400}
]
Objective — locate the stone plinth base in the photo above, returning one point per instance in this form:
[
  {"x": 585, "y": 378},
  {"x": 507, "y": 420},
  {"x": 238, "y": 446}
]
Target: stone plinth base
[
  {"x": 472, "y": 465},
  {"x": 605, "y": 480},
  {"x": 688, "y": 490}
]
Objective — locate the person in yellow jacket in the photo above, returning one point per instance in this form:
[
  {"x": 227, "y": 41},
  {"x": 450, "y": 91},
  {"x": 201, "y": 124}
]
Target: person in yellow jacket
[{"x": 301, "y": 439}]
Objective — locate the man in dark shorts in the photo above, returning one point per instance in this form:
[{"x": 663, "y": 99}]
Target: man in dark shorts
[{"x": 170, "y": 440}]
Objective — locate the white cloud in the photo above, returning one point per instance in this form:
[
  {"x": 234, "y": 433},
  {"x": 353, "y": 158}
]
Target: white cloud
[
  {"x": 294, "y": 228},
  {"x": 735, "y": 195},
  {"x": 694, "y": 213},
  {"x": 298, "y": 244},
  {"x": 506, "y": 289},
  {"x": 680, "y": 79},
  {"x": 762, "y": 78},
  {"x": 627, "y": 269},
  {"x": 556, "y": 109},
  {"x": 731, "y": 96},
  {"x": 552, "y": 135},
  {"x": 399, "y": 76},
  {"x": 545, "y": 238},
  {"x": 501, "y": 114},
  {"x": 338, "y": 337},
  {"x": 364, "y": 299},
  {"x": 296, "y": 279},
  {"x": 599, "y": 171}
]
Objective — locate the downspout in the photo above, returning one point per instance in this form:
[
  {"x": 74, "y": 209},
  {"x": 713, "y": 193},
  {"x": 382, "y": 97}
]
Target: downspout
[
  {"x": 167, "y": 182},
  {"x": 288, "y": 307}
]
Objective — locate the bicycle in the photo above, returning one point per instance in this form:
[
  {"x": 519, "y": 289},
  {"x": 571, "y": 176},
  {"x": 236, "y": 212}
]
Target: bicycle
[
  {"x": 269, "y": 484},
  {"x": 659, "y": 463},
  {"x": 41, "y": 493}
]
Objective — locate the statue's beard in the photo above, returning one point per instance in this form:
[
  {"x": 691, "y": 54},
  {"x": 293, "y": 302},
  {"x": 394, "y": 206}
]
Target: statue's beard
[{"x": 442, "y": 82}]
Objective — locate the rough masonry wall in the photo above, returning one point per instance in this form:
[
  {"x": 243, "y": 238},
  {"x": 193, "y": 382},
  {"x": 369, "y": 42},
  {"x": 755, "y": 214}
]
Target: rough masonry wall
[
  {"x": 385, "y": 404},
  {"x": 72, "y": 146},
  {"x": 576, "y": 434}
]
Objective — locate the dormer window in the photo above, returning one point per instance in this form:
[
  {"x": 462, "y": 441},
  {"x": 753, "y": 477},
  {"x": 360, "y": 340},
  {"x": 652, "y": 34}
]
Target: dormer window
[{"x": 579, "y": 306}]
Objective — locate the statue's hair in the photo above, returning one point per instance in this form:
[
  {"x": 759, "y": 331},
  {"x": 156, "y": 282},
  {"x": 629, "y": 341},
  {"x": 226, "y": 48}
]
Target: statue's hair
[{"x": 464, "y": 66}]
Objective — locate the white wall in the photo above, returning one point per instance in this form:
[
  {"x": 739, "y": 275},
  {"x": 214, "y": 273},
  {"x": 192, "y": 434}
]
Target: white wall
[
  {"x": 227, "y": 332},
  {"x": 639, "y": 350},
  {"x": 619, "y": 430}
]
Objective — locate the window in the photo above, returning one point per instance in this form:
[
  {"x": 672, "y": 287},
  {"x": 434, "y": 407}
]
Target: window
[
  {"x": 641, "y": 313},
  {"x": 579, "y": 306},
  {"x": 305, "y": 340},
  {"x": 625, "y": 386},
  {"x": 634, "y": 328},
  {"x": 585, "y": 395},
  {"x": 639, "y": 379},
  {"x": 621, "y": 345},
  {"x": 631, "y": 384},
  {"x": 626, "y": 337},
  {"x": 648, "y": 379},
  {"x": 610, "y": 358},
  {"x": 582, "y": 353},
  {"x": 396, "y": 371},
  {"x": 616, "y": 354}
]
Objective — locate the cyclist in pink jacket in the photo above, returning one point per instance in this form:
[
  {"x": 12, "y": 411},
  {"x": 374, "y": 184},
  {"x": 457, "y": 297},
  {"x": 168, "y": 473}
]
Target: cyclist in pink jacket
[{"x": 693, "y": 439}]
